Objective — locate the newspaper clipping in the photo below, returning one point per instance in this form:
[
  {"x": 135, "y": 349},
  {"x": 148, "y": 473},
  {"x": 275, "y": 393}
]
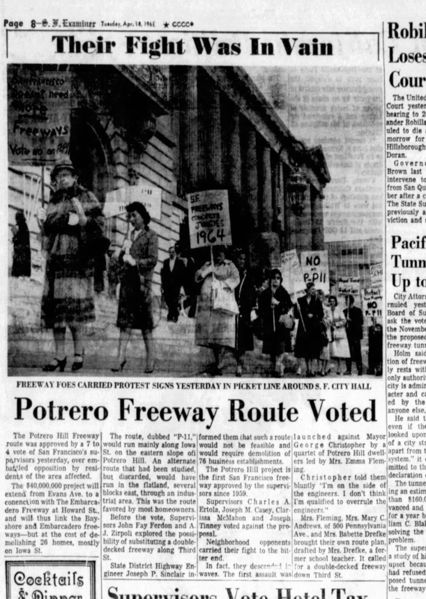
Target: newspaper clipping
[{"x": 214, "y": 304}]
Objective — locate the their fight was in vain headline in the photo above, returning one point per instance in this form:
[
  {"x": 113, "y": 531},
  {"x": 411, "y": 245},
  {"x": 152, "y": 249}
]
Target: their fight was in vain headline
[{"x": 203, "y": 45}]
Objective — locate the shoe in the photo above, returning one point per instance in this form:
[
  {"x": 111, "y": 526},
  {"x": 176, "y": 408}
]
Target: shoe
[
  {"x": 214, "y": 370},
  {"x": 55, "y": 364},
  {"x": 120, "y": 367},
  {"x": 77, "y": 364},
  {"x": 347, "y": 372},
  {"x": 150, "y": 368}
]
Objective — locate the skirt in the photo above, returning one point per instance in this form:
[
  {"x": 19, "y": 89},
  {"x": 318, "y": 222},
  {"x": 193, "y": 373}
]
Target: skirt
[
  {"x": 68, "y": 294},
  {"x": 134, "y": 304}
]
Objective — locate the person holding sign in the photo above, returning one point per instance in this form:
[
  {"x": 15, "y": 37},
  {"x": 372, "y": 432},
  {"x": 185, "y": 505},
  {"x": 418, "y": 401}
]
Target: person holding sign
[
  {"x": 339, "y": 347},
  {"x": 245, "y": 294},
  {"x": 138, "y": 258},
  {"x": 214, "y": 325},
  {"x": 308, "y": 337},
  {"x": 274, "y": 308},
  {"x": 354, "y": 324},
  {"x": 72, "y": 224}
]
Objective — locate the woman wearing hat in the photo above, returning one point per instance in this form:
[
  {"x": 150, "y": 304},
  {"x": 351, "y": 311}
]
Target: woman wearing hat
[
  {"x": 215, "y": 328},
  {"x": 73, "y": 224},
  {"x": 310, "y": 313}
]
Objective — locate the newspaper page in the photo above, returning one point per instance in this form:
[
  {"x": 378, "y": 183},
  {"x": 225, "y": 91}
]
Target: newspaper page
[{"x": 214, "y": 301}]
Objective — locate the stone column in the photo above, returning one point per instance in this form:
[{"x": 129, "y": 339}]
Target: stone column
[
  {"x": 317, "y": 221},
  {"x": 250, "y": 178},
  {"x": 265, "y": 199},
  {"x": 304, "y": 225},
  {"x": 290, "y": 224},
  {"x": 234, "y": 155},
  {"x": 189, "y": 129},
  {"x": 280, "y": 195},
  {"x": 214, "y": 138}
]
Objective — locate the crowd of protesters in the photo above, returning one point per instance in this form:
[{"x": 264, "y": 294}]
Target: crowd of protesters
[
  {"x": 231, "y": 305},
  {"x": 315, "y": 328}
]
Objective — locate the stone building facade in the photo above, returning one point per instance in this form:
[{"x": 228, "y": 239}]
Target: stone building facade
[{"x": 179, "y": 129}]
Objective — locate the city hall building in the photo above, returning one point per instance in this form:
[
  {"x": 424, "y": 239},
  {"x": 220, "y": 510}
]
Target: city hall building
[{"x": 171, "y": 131}]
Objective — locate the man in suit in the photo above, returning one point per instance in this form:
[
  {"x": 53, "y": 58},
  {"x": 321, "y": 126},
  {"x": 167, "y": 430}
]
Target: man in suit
[
  {"x": 354, "y": 322},
  {"x": 172, "y": 279}
]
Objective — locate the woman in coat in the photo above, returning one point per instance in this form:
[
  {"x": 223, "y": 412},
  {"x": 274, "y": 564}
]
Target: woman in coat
[
  {"x": 21, "y": 264},
  {"x": 245, "y": 294},
  {"x": 339, "y": 346},
  {"x": 324, "y": 356},
  {"x": 215, "y": 328},
  {"x": 308, "y": 337},
  {"x": 138, "y": 258},
  {"x": 72, "y": 227},
  {"x": 274, "y": 303}
]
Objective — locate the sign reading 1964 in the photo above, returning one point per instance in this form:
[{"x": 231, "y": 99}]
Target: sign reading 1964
[{"x": 209, "y": 221}]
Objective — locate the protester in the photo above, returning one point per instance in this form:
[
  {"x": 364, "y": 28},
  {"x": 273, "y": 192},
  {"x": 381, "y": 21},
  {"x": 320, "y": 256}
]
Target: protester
[
  {"x": 354, "y": 324},
  {"x": 190, "y": 302},
  {"x": 216, "y": 328},
  {"x": 138, "y": 258},
  {"x": 245, "y": 294},
  {"x": 73, "y": 227},
  {"x": 325, "y": 333},
  {"x": 375, "y": 349},
  {"x": 310, "y": 313},
  {"x": 173, "y": 278},
  {"x": 21, "y": 261},
  {"x": 274, "y": 305},
  {"x": 339, "y": 347}
]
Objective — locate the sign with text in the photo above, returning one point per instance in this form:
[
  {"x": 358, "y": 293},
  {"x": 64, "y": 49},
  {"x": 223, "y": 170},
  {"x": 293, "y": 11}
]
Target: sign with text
[
  {"x": 376, "y": 275},
  {"x": 372, "y": 304},
  {"x": 148, "y": 195},
  {"x": 315, "y": 269},
  {"x": 292, "y": 274},
  {"x": 39, "y": 104},
  {"x": 349, "y": 286},
  {"x": 209, "y": 219}
]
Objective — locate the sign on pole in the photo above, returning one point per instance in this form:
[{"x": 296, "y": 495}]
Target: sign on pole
[
  {"x": 315, "y": 269},
  {"x": 372, "y": 304},
  {"x": 148, "y": 195},
  {"x": 376, "y": 275},
  {"x": 39, "y": 103},
  {"x": 292, "y": 274},
  {"x": 209, "y": 219},
  {"x": 349, "y": 286}
]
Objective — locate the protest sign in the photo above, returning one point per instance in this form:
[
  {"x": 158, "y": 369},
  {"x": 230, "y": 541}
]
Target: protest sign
[
  {"x": 315, "y": 269},
  {"x": 39, "y": 103},
  {"x": 292, "y": 273},
  {"x": 117, "y": 200},
  {"x": 209, "y": 220}
]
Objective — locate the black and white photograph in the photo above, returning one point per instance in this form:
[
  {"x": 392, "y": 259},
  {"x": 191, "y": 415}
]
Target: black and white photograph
[{"x": 195, "y": 221}]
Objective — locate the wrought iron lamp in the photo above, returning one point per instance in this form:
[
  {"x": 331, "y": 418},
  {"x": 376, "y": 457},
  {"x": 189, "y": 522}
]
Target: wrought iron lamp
[{"x": 296, "y": 189}]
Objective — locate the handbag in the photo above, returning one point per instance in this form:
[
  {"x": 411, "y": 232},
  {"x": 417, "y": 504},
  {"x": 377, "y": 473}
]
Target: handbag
[
  {"x": 339, "y": 333},
  {"x": 223, "y": 298},
  {"x": 323, "y": 334},
  {"x": 287, "y": 320}
]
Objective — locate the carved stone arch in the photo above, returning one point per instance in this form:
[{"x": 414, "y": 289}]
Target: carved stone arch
[{"x": 91, "y": 153}]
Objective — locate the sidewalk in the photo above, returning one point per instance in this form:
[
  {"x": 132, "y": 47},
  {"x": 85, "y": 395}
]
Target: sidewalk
[{"x": 30, "y": 348}]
